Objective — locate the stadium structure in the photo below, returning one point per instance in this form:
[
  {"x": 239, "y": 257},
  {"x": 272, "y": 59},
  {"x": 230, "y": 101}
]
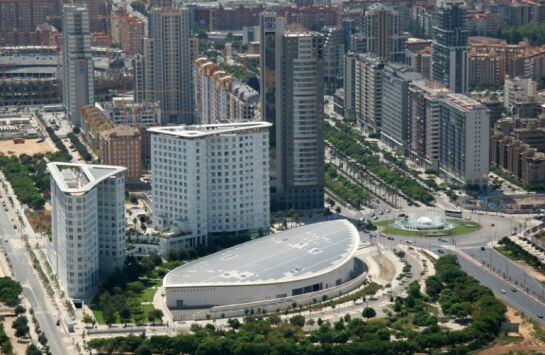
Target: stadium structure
[{"x": 304, "y": 265}]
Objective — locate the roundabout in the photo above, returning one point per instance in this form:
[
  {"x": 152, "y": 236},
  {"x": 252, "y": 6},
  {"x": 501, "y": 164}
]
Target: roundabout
[{"x": 427, "y": 226}]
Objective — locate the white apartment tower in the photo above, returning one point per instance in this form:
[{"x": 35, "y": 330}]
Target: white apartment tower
[
  {"x": 77, "y": 64},
  {"x": 88, "y": 224},
  {"x": 209, "y": 179},
  {"x": 368, "y": 71},
  {"x": 168, "y": 57},
  {"x": 465, "y": 138},
  {"x": 424, "y": 139}
]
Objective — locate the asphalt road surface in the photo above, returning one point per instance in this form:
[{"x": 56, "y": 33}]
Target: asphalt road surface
[{"x": 32, "y": 289}]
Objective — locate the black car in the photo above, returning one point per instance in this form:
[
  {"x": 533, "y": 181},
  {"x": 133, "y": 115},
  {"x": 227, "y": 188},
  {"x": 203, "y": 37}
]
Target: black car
[{"x": 482, "y": 248}]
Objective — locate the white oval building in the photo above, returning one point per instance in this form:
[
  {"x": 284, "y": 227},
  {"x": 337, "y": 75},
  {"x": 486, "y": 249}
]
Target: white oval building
[{"x": 300, "y": 265}]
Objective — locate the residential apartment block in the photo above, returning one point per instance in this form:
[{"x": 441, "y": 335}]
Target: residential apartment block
[
  {"x": 424, "y": 124},
  {"x": 368, "y": 92},
  {"x": 168, "y": 56},
  {"x": 220, "y": 97},
  {"x": 122, "y": 146},
  {"x": 517, "y": 146},
  {"x": 209, "y": 179},
  {"x": 142, "y": 115},
  {"x": 518, "y": 91},
  {"x": 395, "y": 106},
  {"x": 382, "y": 33},
  {"x": 87, "y": 225},
  {"x": 127, "y": 31},
  {"x": 464, "y": 135}
]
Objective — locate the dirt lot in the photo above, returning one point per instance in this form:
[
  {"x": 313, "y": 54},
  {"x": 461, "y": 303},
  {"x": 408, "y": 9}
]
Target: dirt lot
[
  {"x": 528, "y": 343},
  {"x": 40, "y": 220},
  {"x": 30, "y": 147}
]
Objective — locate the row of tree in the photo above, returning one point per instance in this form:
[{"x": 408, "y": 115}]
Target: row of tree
[
  {"x": 343, "y": 138},
  {"x": 80, "y": 147},
  {"x": 413, "y": 327}
]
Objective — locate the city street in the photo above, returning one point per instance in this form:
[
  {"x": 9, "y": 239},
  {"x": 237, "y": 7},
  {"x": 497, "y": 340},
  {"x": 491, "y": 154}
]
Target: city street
[{"x": 32, "y": 289}]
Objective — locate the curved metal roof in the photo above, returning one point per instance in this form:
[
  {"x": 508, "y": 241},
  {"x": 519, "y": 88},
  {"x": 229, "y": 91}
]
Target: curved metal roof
[{"x": 295, "y": 254}]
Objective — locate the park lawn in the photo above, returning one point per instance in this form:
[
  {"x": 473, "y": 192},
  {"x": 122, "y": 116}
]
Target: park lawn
[
  {"x": 99, "y": 316},
  {"x": 147, "y": 295},
  {"x": 140, "y": 302},
  {"x": 463, "y": 227}
]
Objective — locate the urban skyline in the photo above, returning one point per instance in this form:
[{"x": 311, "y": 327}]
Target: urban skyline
[{"x": 206, "y": 175}]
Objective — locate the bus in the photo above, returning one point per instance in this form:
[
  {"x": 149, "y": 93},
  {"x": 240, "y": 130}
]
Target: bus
[{"x": 453, "y": 213}]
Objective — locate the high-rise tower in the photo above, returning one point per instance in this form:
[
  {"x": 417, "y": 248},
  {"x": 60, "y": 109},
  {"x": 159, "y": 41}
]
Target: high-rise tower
[
  {"x": 382, "y": 34},
  {"x": 450, "y": 64},
  {"x": 292, "y": 90},
  {"x": 168, "y": 55},
  {"x": 77, "y": 64}
]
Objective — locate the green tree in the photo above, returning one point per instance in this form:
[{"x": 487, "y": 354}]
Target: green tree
[
  {"x": 125, "y": 315},
  {"x": 33, "y": 350},
  {"x": 19, "y": 310},
  {"x": 143, "y": 350},
  {"x": 298, "y": 320},
  {"x": 20, "y": 324},
  {"x": 233, "y": 323},
  {"x": 155, "y": 314},
  {"x": 368, "y": 313},
  {"x": 109, "y": 314}
]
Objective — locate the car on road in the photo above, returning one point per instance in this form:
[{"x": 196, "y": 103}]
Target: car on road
[
  {"x": 58, "y": 322},
  {"x": 540, "y": 316},
  {"x": 483, "y": 248},
  {"x": 503, "y": 291},
  {"x": 381, "y": 212},
  {"x": 440, "y": 251},
  {"x": 6, "y": 240},
  {"x": 409, "y": 242},
  {"x": 388, "y": 210},
  {"x": 513, "y": 289},
  {"x": 444, "y": 240},
  {"x": 14, "y": 226},
  {"x": 390, "y": 238}
]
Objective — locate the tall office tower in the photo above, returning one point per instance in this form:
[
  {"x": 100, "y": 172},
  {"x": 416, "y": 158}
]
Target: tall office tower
[
  {"x": 333, "y": 57},
  {"x": 77, "y": 64},
  {"x": 209, "y": 179},
  {"x": 368, "y": 87},
  {"x": 271, "y": 32},
  {"x": 87, "y": 223},
  {"x": 450, "y": 64},
  {"x": 424, "y": 98},
  {"x": 382, "y": 33},
  {"x": 395, "y": 113},
  {"x": 171, "y": 63},
  {"x": 292, "y": 90},
  {"x": 464, "y": 139},
  {"x": 349, "y": 85},
  {"x": 138, "y": 67}
]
